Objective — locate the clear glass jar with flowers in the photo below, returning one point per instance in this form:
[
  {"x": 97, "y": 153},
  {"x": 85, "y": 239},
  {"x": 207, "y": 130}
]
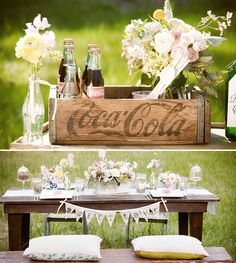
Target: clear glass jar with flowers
[
  {"x": 168, "y": 180},
  {"x": 109, "y": 177},
  {"x": 156, "y": 167},
  {"x": 36, "y": 48},
  {"x": 59, "y": 175}
]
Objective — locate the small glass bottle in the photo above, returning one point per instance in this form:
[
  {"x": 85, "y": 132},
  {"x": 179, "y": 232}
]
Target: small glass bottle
[
  {"x": 153, "y": 180},
  {"x": 71, "y": 88},
  {"x": 95, "y": 88},
  {"x": 230, "y": 115},
  {"x": 62, "y": 67},
  {"x": 67, "y": 183},
  {"x": 84, "y": 78},
  {"x": 33, "y": 111}
]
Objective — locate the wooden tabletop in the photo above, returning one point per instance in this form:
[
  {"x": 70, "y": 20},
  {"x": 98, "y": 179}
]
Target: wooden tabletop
[{"x": 26, "y": 204}]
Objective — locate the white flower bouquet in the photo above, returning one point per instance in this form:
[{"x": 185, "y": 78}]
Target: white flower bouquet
[
  {"x": 168, "y": 179},
  {"x": 108, "y": 171},
  {"x": 163, "y": 48},
  {"x": 36, "y": 47}
]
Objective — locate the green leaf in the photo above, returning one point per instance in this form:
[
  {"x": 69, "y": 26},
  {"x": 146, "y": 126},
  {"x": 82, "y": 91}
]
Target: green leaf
[
  {"x": 145, "y": 80},
  {"x": 180, "y": 81}
]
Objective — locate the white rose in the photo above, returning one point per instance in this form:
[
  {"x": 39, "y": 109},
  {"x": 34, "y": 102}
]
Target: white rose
[
  {"x": 186, "y": 39},
  {"x": 31, "y": 48},
  {"x": 151, "y": 28},
  {"x": 163, "y": 42},
  {"x": 179, "y": 49}
]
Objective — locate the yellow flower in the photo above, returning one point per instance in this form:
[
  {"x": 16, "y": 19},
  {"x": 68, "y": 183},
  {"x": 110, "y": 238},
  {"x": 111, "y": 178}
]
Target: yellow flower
[
  {"x": 159, "y": 14},
  {"x": 63, "y": 162},
  {"x": 59, "y": 173}
]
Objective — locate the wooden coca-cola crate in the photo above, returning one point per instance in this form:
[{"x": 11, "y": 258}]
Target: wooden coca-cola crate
[{"x": 121, "y": 120}]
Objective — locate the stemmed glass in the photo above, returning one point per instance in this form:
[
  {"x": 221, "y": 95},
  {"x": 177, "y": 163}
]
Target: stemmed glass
[
  {"x": 23, "y": 175},
  {"x": 195, "y": 174}
]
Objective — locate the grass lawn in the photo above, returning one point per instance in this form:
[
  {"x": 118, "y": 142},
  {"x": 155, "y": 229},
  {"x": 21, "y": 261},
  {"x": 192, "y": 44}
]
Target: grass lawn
[
  {"x": 218, "y": 177},
  {"x": 89, "y": 21}
]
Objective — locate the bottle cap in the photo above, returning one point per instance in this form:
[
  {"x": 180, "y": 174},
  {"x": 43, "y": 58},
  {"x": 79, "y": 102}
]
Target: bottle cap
[
  {"x": 68, "y": 40},
  {"x": 92, "y": 46},
  {"x": 96, "y": 49},
  {"x": 69, "y": 47}
]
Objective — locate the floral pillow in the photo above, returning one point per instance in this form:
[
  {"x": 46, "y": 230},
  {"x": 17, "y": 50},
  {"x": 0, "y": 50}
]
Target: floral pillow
[
  {"x": 65, "y": 248},
  {"x": 169, "y": 247}
]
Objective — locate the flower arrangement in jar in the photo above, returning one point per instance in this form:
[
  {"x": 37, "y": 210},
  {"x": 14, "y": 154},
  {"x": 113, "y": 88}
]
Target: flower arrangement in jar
[
  {"x": 155, "y": 166},
  {"x": 36, "y": 47},
  {"x": 57, "y": 173},
  {"x": 166, "y": 51},
  {"x": 107, "y": 174},
  {"x": 168, "y": 180}
]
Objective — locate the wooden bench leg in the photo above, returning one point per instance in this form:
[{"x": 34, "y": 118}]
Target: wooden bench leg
[
  {"x": 183, "y": 223},
  {"x": 196, "y": 220},
  {"x": 18, "y": 231}
]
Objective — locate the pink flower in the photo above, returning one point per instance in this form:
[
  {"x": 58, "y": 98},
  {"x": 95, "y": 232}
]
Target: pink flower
[
  {"x": 192, "y": 55},
  {"x": 179, "y": 49}
]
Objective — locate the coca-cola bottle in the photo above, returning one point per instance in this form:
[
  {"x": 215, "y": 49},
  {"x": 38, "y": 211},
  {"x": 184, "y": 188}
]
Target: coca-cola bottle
[
  {"x": 62, "y": 67},
  {"x": 84, "y": 78},
  {"x": 71, "y": 88},
  {"x": 95, "y": 88}
]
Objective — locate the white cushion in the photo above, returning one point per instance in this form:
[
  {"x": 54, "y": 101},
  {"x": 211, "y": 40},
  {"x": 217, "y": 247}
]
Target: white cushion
[
  {"x": 65, "y": 247},
  {"x": 169, "y": 246}
]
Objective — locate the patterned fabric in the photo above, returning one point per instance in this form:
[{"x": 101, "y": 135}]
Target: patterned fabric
[{"x": 65, "y": 248}]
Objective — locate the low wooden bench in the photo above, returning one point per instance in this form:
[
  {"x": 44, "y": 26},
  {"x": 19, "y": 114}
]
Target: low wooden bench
[{"x": 124, "y": 255}]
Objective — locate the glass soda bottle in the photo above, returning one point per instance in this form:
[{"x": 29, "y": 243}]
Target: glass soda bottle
[
  {"x": 95, "y": 88},
  {"x": 230, "y": 129},
  {"x": 71, "y": 88},
  {"x": 84, "y": 78},
  {"x": 62, "y": 68}
]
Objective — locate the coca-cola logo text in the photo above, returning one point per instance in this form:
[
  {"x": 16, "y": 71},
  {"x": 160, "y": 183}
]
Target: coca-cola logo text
[{"x": 136, "y": 122}]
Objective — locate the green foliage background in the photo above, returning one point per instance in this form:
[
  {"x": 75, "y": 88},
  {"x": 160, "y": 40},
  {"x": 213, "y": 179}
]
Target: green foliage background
[{"x": 89, "y": 21}]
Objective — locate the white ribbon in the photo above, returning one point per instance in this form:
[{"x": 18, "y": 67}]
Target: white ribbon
[
  {"x": 31, "y": 95},
  {"x": 168, "y": 74}
]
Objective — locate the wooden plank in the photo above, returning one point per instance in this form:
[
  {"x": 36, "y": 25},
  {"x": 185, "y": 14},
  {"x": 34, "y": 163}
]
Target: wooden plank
[
  {"x": 207, "y": 123},
  {"x": 183, "y": 223},
  {"x": 122, "y": 91},
  {"x": 149, "y": 121},
  {"x": 124, "y": 255},
  {"x": 218, "y": 141},
  {"x": 18, "y": 231},
  {"x": 196, "y": 221}
]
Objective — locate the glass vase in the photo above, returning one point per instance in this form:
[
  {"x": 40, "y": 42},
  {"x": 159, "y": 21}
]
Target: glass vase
[{"x": 33, "y": 111}]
